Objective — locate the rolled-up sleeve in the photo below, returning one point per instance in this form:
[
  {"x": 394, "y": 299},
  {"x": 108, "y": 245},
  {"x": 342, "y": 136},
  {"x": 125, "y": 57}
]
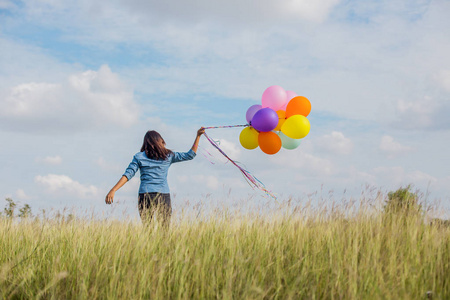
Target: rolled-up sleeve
[
  {"x": 182, "y": 156},
  {"x": 132, "y": 168}
]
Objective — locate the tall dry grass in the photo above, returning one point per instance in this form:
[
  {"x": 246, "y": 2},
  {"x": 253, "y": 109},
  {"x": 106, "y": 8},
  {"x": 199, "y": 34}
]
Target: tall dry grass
[{"x": 347, "y": 252}]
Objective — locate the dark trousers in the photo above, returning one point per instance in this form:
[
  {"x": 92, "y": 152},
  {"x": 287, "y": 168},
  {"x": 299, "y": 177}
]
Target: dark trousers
[{"x": 155, "y": 205}]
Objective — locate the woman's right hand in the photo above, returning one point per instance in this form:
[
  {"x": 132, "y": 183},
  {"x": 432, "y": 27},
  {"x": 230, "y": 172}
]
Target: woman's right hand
[{"x": 200, "y": 131}]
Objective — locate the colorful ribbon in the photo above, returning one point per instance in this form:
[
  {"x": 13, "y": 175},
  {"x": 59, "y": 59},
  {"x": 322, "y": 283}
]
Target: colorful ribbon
[
  {"x": 229, "y": 126},
  {"x": 251, "y": 179}
]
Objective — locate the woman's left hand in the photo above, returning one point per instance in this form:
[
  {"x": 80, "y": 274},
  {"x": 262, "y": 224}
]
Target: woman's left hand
[{"x": 110, "y": 197}]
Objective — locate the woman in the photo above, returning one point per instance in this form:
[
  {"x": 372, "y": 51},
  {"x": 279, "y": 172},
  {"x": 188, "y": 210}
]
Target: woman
[{"x": 154, "y": 161}]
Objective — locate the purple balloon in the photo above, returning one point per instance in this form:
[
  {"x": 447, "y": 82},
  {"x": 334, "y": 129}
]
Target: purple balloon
[
  {"x": 251, "y": 111},
  {"x": 265, "y": 119}
]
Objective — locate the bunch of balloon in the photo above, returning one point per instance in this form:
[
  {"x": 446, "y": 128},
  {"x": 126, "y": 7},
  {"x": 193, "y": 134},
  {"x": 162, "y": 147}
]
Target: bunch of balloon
[{"x": 280, "y": 121}]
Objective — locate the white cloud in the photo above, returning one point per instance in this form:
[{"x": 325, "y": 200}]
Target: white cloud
[
  {"x": 153, "y": 12},
  {"x": 109, "y": 166},
  {"x": 354, "y": 175},
  {"x": 51, "y": 160},
  {"x": 315, "y": 11},
  {"x": 35, "y": 64},
  {"x": 230, "y": 148},
  {"x": 64, "y": 185},
  {"x": 419, "y": 177},
  {"x": 335, "y": 142},
  {"x": 210, "y": 181},
  {"x": 318, "y": 165},
  {"x": 382, "y": 53},
  {"x": 394, "y": 176},
  {"x": 392, "y": 148},
  {"x": 27, "y": 100},
  {"x": 295, "y": 160},
  {"x": 397, "y": 176},
  {"x": 92, "y": 99},
  {"x": 424, "y": 114},
  {"x": 21, "y": 195},
  {"x": 350, "y": 60}
]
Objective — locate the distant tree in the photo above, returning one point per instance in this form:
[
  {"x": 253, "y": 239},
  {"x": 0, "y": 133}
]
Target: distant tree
[
  {"x": 402, "y": 201},
  {"x": 9, "y": 209},
  {"x": 25, "y": 211}
]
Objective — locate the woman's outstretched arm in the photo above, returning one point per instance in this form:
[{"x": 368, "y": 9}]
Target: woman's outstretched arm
[
  {"x": 110, "y": 197},
  {"x": 197, "y": 139}
]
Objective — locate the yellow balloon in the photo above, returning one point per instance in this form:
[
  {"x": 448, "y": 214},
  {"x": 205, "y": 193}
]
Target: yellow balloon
[
  {"x": 281, "y": 119},
  {"x": 296, "y": 127},
  {"x": 249, "y": 138}
]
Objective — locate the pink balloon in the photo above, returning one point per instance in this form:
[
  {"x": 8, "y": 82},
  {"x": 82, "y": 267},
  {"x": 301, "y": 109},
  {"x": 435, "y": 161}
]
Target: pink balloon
[
  {"x": 274, "y": 97},
  {"x": 290, "y": 95}
]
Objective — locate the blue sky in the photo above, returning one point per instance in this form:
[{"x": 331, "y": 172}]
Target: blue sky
[{"x": 81, "y": 82}]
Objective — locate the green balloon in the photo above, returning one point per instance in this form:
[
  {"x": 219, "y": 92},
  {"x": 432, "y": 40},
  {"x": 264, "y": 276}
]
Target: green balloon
[{"x": 287, "y": 142}]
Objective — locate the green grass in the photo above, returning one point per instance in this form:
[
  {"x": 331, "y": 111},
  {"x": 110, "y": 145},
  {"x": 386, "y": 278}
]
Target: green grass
[{"x": 339, "y": 253}]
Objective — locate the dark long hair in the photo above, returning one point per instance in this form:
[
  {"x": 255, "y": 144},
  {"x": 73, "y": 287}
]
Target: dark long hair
[{"x": 154, "y": 146}]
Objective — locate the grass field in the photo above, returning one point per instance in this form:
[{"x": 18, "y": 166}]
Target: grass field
[{"x": 347, "y": 252}]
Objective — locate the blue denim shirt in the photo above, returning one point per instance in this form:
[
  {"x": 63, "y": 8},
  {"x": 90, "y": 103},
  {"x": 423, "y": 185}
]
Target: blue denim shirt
[{"x": 154, "y": 172}]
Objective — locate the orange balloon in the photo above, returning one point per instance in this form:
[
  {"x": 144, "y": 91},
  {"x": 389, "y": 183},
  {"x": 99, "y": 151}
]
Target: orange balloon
[
  {"x": 298, "y": 106},
  {"x": 269, "y": 142},
  {"x": 281, "y": 119}
]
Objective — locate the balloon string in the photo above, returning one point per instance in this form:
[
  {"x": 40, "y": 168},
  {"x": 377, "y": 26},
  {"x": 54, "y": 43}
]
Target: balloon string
[
  {"x": 215, "y": 127},
  {"x": 207, "y": 158},
  {"x": 230, "y": 126},
  {"x": 251, "y": 179}
]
